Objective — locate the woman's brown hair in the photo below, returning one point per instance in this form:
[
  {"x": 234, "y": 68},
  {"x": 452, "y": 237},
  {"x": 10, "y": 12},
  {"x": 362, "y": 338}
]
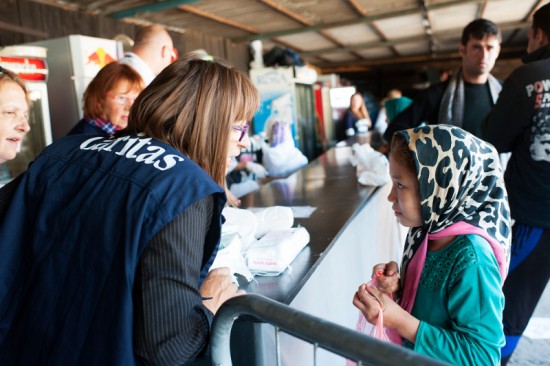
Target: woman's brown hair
[
  {"x": 192, "y": 105},
  {"x": 106, "y": 79},
  {"x": 9, "y": 76}
]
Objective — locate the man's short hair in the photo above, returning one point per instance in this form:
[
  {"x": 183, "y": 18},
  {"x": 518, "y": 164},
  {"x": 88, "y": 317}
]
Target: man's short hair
[
  {"x": 148, "y": 35},
  {"x": 541, "y": 19},
  {"x": 480, "y": 28}
]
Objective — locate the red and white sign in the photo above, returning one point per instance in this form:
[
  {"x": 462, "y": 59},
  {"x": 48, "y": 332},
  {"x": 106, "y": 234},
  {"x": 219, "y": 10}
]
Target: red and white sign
[{"x": 31, "y": 69}]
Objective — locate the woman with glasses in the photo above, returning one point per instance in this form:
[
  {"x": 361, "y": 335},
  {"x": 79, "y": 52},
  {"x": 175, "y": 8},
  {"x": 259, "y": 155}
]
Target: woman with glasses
[
  {"x": 107, "y": 100},
  {"x": 111, "y": 238}
]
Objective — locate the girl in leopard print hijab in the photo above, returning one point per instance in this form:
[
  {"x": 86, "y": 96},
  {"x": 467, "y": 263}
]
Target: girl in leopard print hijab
[{"x": 448, "y": 188}]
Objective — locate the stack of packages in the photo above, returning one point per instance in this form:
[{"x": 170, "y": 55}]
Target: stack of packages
[{"x": 259, "y": 241}]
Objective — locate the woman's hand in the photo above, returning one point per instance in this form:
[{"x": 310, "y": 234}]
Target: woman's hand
[
  {"x": 218, "y": 287},
  {"x": 387, "y": 277}
]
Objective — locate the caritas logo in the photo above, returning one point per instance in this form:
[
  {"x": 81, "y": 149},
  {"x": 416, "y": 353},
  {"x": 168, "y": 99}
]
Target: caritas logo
[{"x": 100, "y": 58}]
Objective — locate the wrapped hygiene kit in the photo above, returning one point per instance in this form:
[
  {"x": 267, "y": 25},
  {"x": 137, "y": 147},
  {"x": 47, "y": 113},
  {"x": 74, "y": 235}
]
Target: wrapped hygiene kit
[
  {"x": 274, "y": 252},
  {"x": 260, "y": 240}
]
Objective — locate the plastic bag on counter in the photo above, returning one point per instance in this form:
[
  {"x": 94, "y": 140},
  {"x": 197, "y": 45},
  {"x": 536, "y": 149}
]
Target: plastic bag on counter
[
  {"x": 362, "y": 125},
  {"x": 272, "y": 218},
  {"x": 274, "y": 252},
  {"x": 372, "y": 166},
  {"x": 283, "y": 159},
  {"x": 242, "y": 222},
  {"x": 229, "y": 255},
  {"x": 241, "y": 189}
]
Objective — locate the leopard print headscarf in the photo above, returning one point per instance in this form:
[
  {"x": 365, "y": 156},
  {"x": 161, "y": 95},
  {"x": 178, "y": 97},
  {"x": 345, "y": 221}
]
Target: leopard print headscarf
[{"x": 460, "y": 180}]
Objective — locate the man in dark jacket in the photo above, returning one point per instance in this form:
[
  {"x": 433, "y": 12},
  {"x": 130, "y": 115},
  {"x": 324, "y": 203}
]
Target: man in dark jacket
[
  {"x": 520, "y": 123},
  {"x": 467, "y": 98}
]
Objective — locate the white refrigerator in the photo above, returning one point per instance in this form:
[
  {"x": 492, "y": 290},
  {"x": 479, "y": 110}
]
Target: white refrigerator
[{"x": 73, "y": 61}]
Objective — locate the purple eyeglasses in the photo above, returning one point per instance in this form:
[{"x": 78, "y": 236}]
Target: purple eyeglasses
[{"x": 242, "y": 129}]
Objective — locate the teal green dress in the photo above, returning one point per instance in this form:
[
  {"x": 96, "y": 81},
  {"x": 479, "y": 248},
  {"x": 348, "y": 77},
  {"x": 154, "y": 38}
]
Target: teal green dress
[{"x": 459, "y": 303}]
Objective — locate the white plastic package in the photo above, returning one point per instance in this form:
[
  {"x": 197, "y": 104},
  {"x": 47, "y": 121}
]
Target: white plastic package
[
  {"x": 372, "y": 166},
  {"x": 283, "y": 159},
  {"x": 229, "y": 255},
  {"x": 242, "y": 222},
  {"x": 273, "y": 218},
  {"x": 274, "y": 252}
]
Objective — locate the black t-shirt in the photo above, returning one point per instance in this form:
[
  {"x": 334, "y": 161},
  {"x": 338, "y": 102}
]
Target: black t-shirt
[{"x": 477, "y": 106}]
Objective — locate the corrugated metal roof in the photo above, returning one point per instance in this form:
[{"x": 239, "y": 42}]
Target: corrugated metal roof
[{"x": 331, "y": 33}]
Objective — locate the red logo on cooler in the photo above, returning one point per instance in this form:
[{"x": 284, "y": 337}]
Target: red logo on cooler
[{"x": 100, "y": 57}]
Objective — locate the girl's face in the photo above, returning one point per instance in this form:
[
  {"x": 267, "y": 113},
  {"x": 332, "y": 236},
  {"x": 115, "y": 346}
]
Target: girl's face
[
  {"x": 235, "y": 146},
  {"x": 14, "y": 113},
  {"x": 117, "y": 103},
  {"x": 404, "y": 195}
]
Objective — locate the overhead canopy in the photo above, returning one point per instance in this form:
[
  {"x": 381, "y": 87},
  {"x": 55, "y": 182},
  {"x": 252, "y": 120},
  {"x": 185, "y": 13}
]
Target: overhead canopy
[{"x": 333, "y": 35}]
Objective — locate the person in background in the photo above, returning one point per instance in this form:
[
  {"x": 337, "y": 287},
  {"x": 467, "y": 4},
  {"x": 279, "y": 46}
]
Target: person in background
[
  {"x": 449, "y": 299},
  {"x": 468, "y": 96},
  {"x": 246, "y": 170},
  {"x": 520, "y": 124},
  {"x": 395, "y": 106},
  {"x": 445, "y": 74},
  {"x": 111, "y": 239},
  {"x": 14, "y": 114},
  {"x": 107, "y": 100},
  {"x": 356, "y": 118},
  {"x": 392, "y": 108},
  {"x": 381, "y": 121},
  {"x": 152, "y": 51}
]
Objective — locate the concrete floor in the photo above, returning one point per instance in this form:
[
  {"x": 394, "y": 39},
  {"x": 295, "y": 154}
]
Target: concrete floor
[{"x": 534, "y": 347}]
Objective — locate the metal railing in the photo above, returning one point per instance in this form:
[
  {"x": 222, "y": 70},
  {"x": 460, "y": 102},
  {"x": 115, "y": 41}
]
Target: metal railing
[{"x": 335, "y": 338}]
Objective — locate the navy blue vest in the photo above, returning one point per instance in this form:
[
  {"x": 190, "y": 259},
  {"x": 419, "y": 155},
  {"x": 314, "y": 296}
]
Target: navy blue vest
[
  {"x": 84, "y": 127},
  {"x": 68, "y": 255}
]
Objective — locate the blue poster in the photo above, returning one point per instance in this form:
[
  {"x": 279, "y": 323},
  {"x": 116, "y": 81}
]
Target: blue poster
[{"x": 276, "y": 87}]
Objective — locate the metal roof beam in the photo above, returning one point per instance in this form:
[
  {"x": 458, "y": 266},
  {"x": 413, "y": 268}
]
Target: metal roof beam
[
  {"x": 304, "y": 21},
  {"x": 369, "y": 18},
  {"x": 23, "y": 30},
  {"x": 393, "y": 42}
]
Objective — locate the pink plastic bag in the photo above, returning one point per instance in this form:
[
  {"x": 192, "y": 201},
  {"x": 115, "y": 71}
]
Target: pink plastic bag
[
  {"x": 378, "y": 331},
  {"x": 374, "y": 330}
]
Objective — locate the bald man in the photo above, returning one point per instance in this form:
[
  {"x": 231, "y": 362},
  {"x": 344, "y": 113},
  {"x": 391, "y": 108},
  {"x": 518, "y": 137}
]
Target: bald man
[{"x": 152, "y": 52}]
